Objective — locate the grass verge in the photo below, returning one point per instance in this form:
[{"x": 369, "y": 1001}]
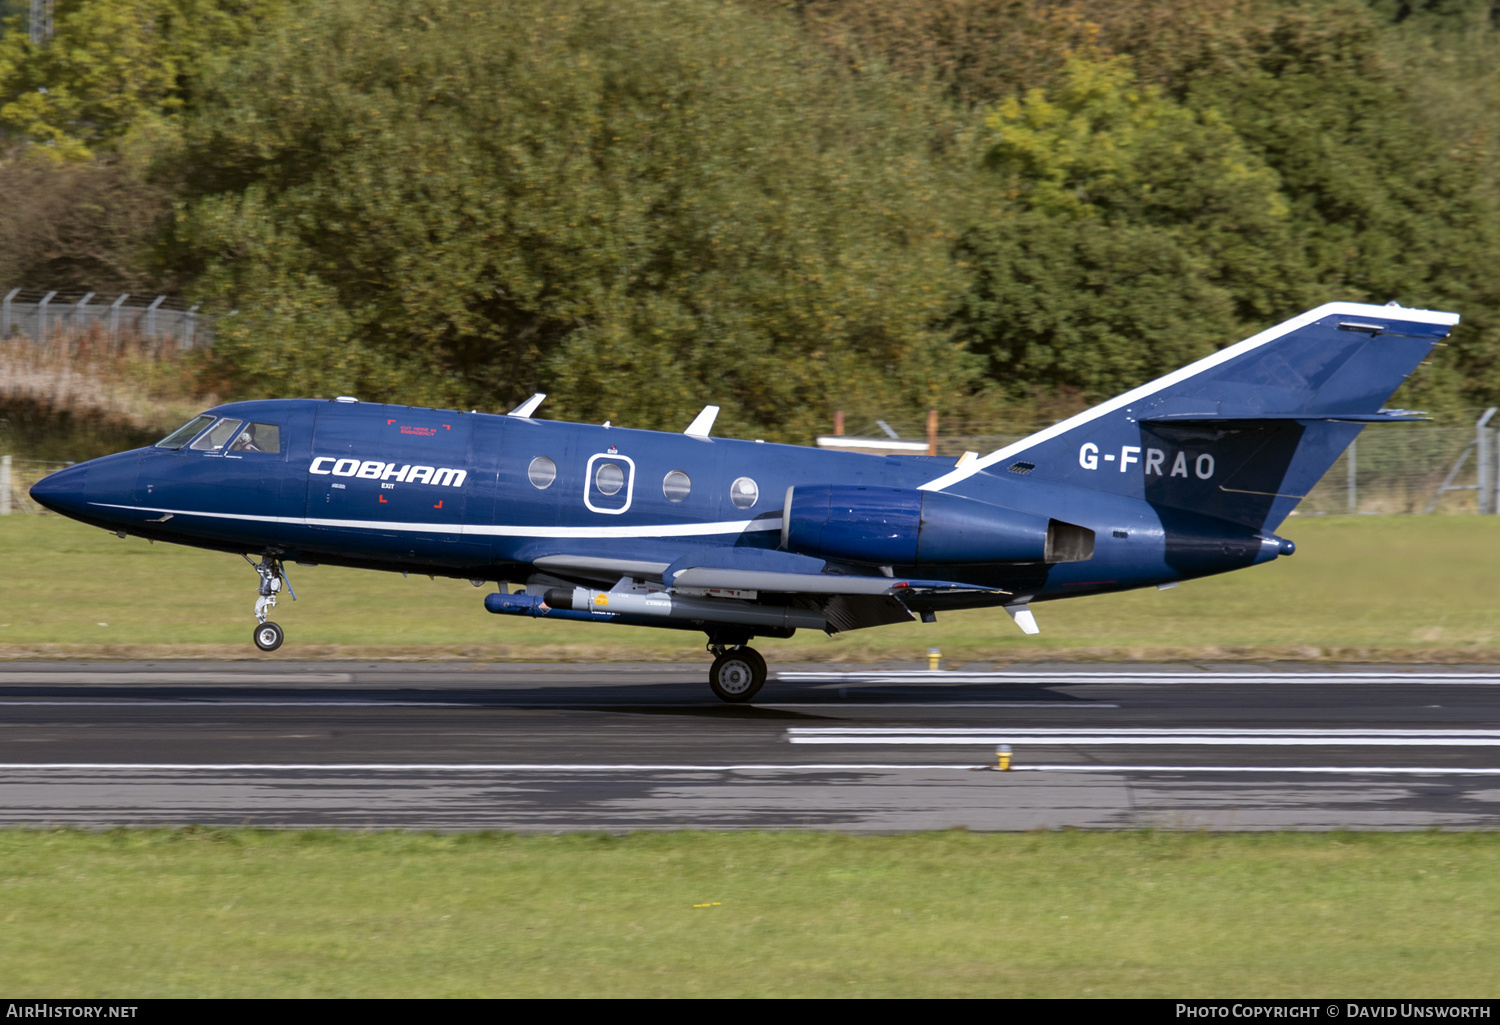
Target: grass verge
[
  {"x": 259, "y": 913},
  {"x": 1389, "y": 588}
]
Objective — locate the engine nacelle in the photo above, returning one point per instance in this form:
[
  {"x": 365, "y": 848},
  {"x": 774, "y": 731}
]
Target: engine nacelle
[{"x": 907, "y": 527}]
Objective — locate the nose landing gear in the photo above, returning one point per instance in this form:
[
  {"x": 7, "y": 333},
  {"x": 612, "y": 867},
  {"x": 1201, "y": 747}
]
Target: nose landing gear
[{"x": 268, "y": 636}]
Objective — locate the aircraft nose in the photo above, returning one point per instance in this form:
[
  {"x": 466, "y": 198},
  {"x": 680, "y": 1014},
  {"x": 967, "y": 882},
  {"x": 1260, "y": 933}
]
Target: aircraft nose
[{"x": 63, "y": 491}]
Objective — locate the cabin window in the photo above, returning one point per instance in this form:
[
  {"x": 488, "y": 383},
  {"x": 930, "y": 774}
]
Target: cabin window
[
  {"x": 186, "y": 432},
  {"x": 609, "y": 479},
  {"x": 258, "y": 438},
  {"x": 542, "y": 472},
  {"x": 743, "y": 492},
  {"x": 221, "y": 434},
  {"x": 676, "y": 486}
]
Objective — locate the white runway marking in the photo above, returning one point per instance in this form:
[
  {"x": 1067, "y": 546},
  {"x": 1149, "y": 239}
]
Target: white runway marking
[
  {"x": 932, "y": 704},
  {"x": 343, "y": 767},
  {"x": 366, "y": 703},
  {"x": 217, "y": 703},
  {"x": 1356, "y": 770},
  {"x": 1166, "y": 677},
  {"x": 1153, "y": 737},
  {"x": 442, "y": 767},
  {"x": 172, "y": 676}
]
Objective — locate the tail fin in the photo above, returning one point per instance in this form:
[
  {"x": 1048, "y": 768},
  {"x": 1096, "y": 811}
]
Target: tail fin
[{"x": 1243, "y": 434}]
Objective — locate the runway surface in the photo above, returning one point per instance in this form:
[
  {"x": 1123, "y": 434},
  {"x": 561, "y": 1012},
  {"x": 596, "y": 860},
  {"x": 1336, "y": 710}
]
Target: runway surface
[{"x": 620, "y": 746}]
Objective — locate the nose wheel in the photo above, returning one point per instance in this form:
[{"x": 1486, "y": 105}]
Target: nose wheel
[
  {"x": 268, "y": 636},
  {"x": 737, "y": 675}
]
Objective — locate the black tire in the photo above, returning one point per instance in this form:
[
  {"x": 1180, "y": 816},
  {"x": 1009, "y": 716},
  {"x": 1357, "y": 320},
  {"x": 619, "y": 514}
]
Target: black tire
[
  {"x": 268, "y": 636},
  {"x": 737, "y": 675}
]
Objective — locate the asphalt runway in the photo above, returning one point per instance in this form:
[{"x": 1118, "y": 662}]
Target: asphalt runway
[{"x": 621, "y": 746}]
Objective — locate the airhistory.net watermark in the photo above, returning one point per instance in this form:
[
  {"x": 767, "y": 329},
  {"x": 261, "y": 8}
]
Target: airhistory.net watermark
[{"x": 48, "y": 1009}]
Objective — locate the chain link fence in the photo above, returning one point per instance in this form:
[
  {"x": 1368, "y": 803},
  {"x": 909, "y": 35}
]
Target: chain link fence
[{"x": 41, "y": 316}]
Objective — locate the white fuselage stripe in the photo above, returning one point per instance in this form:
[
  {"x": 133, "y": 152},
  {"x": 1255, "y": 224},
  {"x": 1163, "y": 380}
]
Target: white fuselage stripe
[
  {"x": 1177, "y": 376},
  {"x": 483, "y": 529}
]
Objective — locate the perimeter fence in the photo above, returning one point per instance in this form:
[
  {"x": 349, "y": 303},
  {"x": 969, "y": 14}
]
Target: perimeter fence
[{"x": 42, "y": 316}]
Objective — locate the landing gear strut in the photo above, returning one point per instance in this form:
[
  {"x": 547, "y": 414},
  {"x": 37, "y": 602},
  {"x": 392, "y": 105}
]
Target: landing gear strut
[
  {"x": 738, "y": 672},
  {"x": 268, "y": 636}
]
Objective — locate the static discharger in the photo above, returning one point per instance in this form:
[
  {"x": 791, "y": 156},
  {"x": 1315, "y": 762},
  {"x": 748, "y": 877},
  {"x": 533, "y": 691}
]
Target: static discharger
[
  {"x": 1002, "y": 757},
  {"x": 934, "y": 659}
]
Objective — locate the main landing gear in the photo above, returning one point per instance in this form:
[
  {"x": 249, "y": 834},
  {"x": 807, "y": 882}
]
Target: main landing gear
[
  {"x": 738, "y": 672},
  {"x": 268, "y": 636}
]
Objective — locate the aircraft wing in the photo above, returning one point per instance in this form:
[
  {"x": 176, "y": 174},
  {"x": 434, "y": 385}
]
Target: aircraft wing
[
  {"x": 749, "y": 569},
  {"x": 777, "y": 572}
]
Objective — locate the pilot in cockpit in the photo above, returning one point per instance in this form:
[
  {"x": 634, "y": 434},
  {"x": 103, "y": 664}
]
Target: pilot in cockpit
[{"x": 246, "y": 441}]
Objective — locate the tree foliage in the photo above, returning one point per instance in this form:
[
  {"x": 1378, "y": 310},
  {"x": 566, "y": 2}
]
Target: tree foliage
[
  {"x": 781, "y": 206},
  {"x": 1137, "y": 234},
  {"x": 638, "y": 208},
  {"x": 115, "y": 68}
]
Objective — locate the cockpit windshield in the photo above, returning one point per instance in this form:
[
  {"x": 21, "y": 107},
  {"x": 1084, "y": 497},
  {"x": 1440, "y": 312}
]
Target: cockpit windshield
[
  {"x": 221, "y": 434},
  {"x": 186, "y": 432}
]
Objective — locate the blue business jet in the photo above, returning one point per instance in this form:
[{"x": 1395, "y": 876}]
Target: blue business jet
[{"x": 1183, "y": 477}]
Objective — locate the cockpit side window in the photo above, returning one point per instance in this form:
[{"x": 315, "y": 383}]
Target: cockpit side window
[
  {"x": 186, "y": 432},
  {"x": 221, "y": 434},
  {"x": 258, "y": 438}
]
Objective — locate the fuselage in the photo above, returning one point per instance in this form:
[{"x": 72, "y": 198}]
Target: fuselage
[{"x": 480, "y": 496}]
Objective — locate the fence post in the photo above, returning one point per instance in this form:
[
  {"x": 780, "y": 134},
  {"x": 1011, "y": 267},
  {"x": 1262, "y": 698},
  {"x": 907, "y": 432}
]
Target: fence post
[
  {"x": 192, "y": 320},
  {"x": 114, "y": 317},
  {"x": 78, "y": 312},
  {"x": 838, "y": 422},
  {"x": 932, "y": 432},
  {"x": 1353, "y": 485},
  {"x": 151, "y": 315},
  {"x": 5, "y": 313},
  {"x": 1495, "y": 481},
  {"x": 41, "y": 317},
  {"x": 4, "y": 485},
  {"x": 1482, "y": 435}
]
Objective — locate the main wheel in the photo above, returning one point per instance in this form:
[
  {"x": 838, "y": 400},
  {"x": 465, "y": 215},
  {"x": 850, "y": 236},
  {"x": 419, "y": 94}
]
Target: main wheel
[
  {"x": 268, "y": 637},
  {"x": 737, "y": 675}
]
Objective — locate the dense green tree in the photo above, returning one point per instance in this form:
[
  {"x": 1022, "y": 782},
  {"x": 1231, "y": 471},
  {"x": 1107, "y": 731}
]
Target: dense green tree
[
  {"x": 115, "y": 70},
  {"x": 638, "y": 208},
  {"x": 1137, "y": 234},
  {"x": 1384, "y": 207}
]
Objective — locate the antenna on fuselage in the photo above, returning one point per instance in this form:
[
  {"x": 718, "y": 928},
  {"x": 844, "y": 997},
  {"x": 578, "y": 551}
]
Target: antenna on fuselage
[
  {"x": 702, "y": 422},
  {"x": 529, "y": 406}
]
